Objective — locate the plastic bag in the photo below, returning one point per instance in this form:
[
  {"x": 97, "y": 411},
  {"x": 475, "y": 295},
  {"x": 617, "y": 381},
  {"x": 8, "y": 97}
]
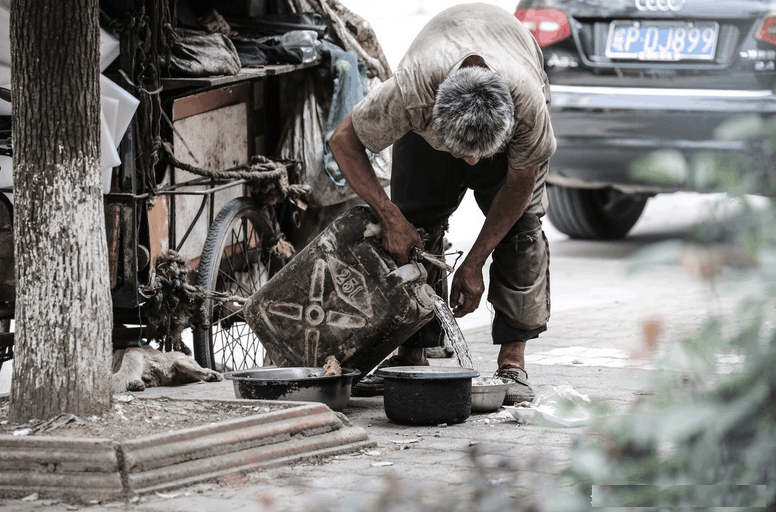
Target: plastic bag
[
  {"x": 564, "y": 407},
  {"x": 295, "y": 47},
  {"x": 302, "y": 139},
  {"x": 350, "y": 86},
  {"x": 305, "y": 42}
]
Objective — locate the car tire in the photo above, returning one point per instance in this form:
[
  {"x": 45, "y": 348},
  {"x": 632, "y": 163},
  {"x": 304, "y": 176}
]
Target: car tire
[{"x": 594, "y": 214}]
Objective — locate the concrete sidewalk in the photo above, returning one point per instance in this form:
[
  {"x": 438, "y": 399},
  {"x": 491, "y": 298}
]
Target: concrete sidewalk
[
  {"x": 436, "y": 462},
  {"x": 599, "y": 311}
]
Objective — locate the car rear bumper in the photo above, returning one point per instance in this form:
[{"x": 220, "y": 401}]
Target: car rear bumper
[
  {"x": 691, "y": 100},
  {"x": 601, "y": 130}
]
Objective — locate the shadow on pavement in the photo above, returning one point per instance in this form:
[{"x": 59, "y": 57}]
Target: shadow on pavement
[{"x": 614, "y": 249}]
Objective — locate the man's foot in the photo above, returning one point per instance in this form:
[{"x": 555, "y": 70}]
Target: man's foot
[
  {"x": 372, "y": 385},
  {"x": 520, "y": 390}
]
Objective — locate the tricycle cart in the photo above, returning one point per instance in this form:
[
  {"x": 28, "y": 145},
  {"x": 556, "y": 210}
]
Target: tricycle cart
[{"x": 212, "y": 173}]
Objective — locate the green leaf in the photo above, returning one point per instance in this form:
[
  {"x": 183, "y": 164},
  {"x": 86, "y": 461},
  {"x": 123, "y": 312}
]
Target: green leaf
[
  {"x": 592, "y": 463},
  {"x": 750, "y": 126},
  {"x": 752, "y": 244},
  {"x": 662, "y": 253},
  {"x": 661, "y": 167},
  {"x": 685, "y": 420},
  {"x": 704, "y": 171}
]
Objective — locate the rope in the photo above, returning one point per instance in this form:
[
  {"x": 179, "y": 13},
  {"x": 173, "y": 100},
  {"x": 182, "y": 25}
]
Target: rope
[
  {"x": 261, "y": 168},
  {"x": 173, "y": 305},
  {"x": 261, "y": 171},
  {"x": 148, "y": 292}
]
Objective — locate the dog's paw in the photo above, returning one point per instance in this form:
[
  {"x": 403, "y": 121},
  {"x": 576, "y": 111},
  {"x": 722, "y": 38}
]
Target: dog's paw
[
  {"x": 136, "y": 385},
  {"x": 214, "y": 377}
]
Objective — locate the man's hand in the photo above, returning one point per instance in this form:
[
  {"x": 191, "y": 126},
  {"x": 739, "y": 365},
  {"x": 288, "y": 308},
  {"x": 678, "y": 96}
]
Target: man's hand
[
  {"x": 466, "y": 290},
  {"x": 508, "y": 205},
  {"x": 399, "y": 237}
]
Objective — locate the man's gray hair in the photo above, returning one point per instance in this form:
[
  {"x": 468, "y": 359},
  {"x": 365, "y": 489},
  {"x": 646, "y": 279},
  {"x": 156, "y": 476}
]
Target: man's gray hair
[{"x": 474, "y": 112}]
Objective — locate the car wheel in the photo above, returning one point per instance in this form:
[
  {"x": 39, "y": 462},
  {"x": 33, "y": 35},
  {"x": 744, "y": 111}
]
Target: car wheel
[{"x": 594, "y": 214}]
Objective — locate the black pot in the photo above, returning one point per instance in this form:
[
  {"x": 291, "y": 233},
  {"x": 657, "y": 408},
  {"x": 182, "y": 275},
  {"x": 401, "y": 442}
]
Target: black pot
[{"x": 426, "y": 395}]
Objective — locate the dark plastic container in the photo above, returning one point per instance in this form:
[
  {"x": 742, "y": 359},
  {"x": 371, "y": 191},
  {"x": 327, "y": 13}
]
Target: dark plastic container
[
  {"x": 342, "y": 295},
  {"x": 294, "y": 384},
  {"x": 427, "y": 395}
]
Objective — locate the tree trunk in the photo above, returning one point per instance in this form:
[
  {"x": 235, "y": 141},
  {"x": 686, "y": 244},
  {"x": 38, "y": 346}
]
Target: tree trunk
[{"x": 63, "y": 303}]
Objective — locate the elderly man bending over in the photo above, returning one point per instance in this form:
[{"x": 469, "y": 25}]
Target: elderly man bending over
[{"x": 467, "y": 108}]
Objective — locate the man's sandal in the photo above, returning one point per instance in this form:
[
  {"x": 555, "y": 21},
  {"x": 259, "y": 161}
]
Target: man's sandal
[
  {"x": 372, "y": 385},
  {"x": 520, "y": 390}
]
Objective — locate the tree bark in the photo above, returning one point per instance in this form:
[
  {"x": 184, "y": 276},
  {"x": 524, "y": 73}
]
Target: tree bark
[{"x": 63, "y": 303}]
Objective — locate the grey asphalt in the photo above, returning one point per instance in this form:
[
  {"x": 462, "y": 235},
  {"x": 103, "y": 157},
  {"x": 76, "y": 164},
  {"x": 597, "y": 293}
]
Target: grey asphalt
[{"x": 593, "y": 345}]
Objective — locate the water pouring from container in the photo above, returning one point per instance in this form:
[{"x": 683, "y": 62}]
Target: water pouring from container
[{"x": 454, "y": 334}]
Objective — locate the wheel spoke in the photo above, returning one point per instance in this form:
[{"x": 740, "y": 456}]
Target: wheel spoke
[
  {"x": 248, "y": 234},
  {"x": 237, "y": 248},
  {"x": 237, "y": 314},
  {"x": 229, "y": 253},
  {"x": 237, "y": 347},
  {"x": 241, "y": 268}
]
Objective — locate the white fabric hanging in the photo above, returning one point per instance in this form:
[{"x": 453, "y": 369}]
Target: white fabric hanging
[{"x": 117, "y": 106}]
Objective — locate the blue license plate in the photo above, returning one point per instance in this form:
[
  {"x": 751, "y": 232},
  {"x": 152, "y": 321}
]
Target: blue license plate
[{"x": 662, "y": 41}]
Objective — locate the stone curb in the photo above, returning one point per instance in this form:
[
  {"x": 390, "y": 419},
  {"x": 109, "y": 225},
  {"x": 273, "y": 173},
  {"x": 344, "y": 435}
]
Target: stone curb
[{"x": 102, "y": 469}]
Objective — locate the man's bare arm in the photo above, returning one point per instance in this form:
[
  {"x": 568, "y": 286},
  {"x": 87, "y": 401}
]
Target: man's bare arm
[
  {"x": 507, "y": 207},
  {"x": 398, "y": 235}
]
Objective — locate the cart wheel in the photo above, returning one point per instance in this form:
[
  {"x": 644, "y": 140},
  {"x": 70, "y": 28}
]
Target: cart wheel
[{"x": 235, "y": 260}]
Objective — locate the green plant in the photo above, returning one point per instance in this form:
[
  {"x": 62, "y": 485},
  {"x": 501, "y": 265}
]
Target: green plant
[{"x": 703, "y": 439}]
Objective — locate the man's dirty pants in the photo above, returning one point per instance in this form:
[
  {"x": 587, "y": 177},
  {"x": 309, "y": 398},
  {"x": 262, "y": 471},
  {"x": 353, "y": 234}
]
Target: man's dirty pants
[{"x": 428, "y": 186}]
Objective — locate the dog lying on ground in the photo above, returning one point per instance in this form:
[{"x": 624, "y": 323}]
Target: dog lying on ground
[{"x": 135, "y": 369}]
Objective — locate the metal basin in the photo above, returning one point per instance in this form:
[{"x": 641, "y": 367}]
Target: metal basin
[
  {"x": 427, "y": 395},
  {"x": 294, "y": 384},
  {"x": 487, "y": 397}
]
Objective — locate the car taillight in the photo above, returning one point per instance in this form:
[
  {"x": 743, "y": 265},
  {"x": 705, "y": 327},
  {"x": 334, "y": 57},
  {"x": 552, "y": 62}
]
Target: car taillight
[
  {"x": 767, "y": 30},
  {"x": 548, "y": 26}
]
